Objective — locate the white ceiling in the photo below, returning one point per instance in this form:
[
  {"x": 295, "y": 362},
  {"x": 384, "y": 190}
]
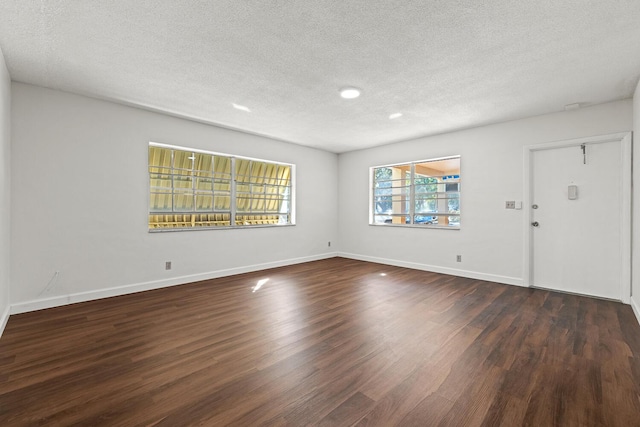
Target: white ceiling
[{"x": 446, "y": 65}]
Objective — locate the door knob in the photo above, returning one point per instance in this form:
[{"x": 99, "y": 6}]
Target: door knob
[{"x": 535, "y": 223}]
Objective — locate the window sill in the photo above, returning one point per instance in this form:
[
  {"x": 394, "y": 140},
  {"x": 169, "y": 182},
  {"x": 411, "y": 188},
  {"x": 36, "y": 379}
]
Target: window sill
[
  {"x": 430, "y": 227},
  {"x": 235, "y": 227}
]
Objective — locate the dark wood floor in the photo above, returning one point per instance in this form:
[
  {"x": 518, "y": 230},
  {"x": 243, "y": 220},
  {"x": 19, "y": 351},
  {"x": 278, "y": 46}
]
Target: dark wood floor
[{"x": 335, "y": 342}]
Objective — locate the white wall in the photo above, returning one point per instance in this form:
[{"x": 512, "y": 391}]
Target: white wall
[
  {"x": 491, "y": 237},
  {"x": 635, "y": 283},
  {"x": 5, "y": 182},
  {"x": 79, "y": 199},
  {"x": 80, "y": 202}
]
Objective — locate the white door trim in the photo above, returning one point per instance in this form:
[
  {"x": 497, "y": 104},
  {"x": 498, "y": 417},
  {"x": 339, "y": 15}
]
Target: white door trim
[{"x": 626, "y": 152}]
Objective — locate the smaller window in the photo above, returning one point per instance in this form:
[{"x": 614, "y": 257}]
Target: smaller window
[{"x": 424, "y": 193}]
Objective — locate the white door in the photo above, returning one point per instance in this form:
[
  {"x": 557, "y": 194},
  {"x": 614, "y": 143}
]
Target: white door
[{"x": 577, "y": 232}]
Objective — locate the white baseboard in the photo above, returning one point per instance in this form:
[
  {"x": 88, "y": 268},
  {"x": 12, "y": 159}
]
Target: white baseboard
[
  {"x": 40, "y": 304},
  {"x": 636, "y": 309},
  {"x": 4, "y": 319},
  {"x": 44, "y": 303},
  {"x": 516, "y": 281}
]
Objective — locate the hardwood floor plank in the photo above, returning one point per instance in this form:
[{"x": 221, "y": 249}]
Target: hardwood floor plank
[
  {"x": 332, "y": 342},
  {"x": 505, "y": 410},
  {"x": 429, "y": 412},
  {"x": 349, "y": 411},
  {"x": 399, "y": 401}
]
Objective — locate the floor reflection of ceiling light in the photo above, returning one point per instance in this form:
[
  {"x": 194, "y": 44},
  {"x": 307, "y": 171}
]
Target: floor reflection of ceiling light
[{"x": 259, "y": 284}]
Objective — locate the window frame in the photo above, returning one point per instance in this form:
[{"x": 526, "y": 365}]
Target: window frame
[
  {"x": 411, "y": 200},
  {"x": 232, "y": 193}
]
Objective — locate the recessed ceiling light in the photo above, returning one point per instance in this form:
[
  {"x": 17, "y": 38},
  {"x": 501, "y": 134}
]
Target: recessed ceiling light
[
  {"x": 241, "y": 107},
  {"x": 350, "y": 92},
  {"x": 395, "y": 116}
]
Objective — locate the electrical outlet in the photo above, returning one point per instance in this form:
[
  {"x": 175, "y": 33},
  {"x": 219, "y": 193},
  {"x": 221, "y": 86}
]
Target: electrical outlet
[
  {"x": 510, "y": 204},
  {"x": 167, "y": 265},
  {"x": 458, "y": 258}
]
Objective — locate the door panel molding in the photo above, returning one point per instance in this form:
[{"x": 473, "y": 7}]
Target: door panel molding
[{"x": 624, "y": 138}]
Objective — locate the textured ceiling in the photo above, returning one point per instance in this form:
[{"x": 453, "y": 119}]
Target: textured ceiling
[{"x": 445, "y": 65}]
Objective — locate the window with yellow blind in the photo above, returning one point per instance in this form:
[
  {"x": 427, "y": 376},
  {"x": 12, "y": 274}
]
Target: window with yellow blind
[{"x": 194, "y": 189}]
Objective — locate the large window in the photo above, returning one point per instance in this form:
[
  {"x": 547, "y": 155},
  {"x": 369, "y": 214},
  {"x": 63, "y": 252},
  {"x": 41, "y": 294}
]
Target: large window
[
  {"x": 190, "y": 189},
  {"x": 423, "y": 194}
]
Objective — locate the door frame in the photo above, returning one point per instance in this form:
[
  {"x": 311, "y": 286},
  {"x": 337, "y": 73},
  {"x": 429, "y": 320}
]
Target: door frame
[{"x": 626, "y": 153}]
